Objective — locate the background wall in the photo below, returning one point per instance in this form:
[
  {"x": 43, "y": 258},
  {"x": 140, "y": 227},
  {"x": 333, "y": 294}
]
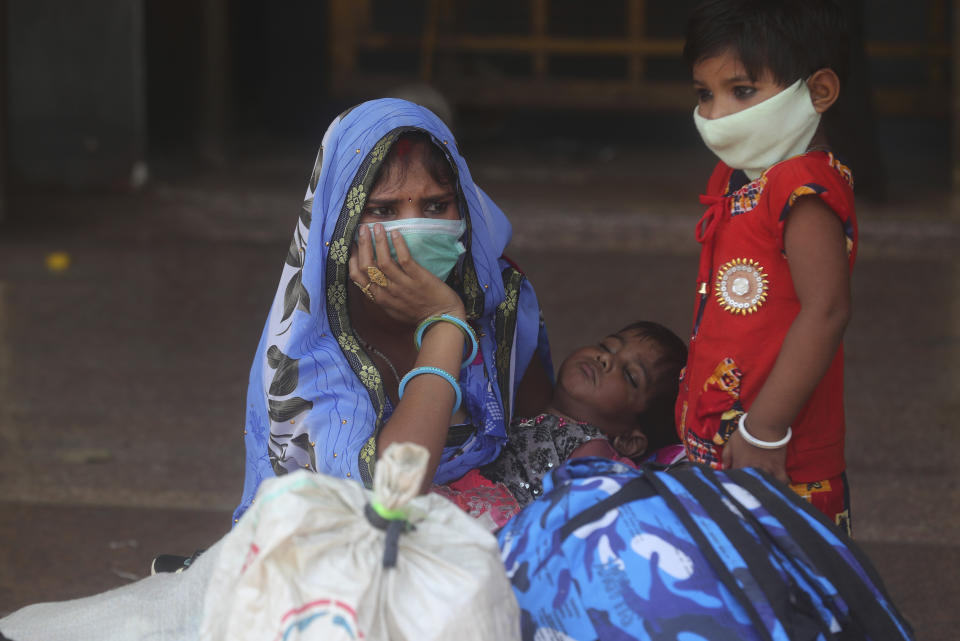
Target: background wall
[{"x": 95, "y": 88}]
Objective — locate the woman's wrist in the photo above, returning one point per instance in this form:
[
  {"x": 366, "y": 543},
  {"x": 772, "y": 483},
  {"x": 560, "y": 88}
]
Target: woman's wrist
[
  {"x": 435, "y": 330},
  {"x": 443, "y": 342},
  {"x": 449, "y": 320},
  {"x": 456, "y": 310}
]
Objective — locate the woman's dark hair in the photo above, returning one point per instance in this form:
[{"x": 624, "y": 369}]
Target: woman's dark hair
[
  {"x": 791, "y": 38},
  {"x": 657, "y": 421},
  {"x": 397, "y": 161}
]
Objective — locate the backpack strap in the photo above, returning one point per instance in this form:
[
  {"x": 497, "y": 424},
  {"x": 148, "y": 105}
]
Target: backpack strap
[
  {"x": 792, "y": 604},
  {"x": 633, "y": 490},
  {"x": 873, "y": 618},
  {"x": 767, "y": 584},
  {"x": 791, "y": 557},
  {"x": 647, "y": 486}
]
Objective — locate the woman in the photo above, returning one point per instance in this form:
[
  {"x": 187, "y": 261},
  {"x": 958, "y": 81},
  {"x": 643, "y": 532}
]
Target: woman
[{"x": 325, "y": 381}]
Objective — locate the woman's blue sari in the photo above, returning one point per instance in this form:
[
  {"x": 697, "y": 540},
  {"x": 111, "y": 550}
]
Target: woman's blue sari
[{"x": 315, "y": 399}]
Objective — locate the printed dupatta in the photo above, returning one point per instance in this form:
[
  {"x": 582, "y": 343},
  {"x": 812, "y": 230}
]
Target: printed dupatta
[{"x": 315, "y": 399}]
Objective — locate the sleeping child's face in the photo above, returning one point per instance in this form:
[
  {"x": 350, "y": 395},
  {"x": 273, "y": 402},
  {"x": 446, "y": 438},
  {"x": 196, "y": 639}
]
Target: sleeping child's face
[{"x": 611, "y": 383}]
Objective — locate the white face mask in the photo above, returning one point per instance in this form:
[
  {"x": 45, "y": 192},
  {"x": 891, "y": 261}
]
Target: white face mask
[
  {"x": 433, "y": 243},
  {"x": 762, "y": 135}
]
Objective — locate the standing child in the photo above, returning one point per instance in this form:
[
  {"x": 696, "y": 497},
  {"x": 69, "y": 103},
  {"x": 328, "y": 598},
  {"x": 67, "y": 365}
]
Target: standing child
[{"x": 763, "y": 386}]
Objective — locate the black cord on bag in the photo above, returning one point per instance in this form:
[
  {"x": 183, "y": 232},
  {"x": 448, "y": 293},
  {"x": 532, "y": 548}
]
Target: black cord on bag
[{"x": 393, "y": 527}]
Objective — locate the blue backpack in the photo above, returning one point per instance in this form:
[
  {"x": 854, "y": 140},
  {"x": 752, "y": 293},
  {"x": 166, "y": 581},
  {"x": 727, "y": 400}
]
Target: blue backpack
[{"x": 613, "y": 553}]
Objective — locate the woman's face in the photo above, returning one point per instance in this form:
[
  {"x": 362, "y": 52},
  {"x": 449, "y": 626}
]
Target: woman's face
[{"x": 410, "y": 191}]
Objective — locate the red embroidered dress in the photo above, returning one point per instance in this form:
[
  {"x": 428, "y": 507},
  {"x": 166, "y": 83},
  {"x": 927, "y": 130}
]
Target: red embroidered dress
[{"x": 745, "y": 305}]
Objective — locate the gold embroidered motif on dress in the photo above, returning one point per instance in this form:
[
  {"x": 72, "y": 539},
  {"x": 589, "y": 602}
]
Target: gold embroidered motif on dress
[{"x": 741, "y": 286}]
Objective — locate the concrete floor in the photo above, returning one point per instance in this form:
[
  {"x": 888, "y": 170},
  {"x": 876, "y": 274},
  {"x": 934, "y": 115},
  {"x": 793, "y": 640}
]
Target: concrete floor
[{"x": 122, "y": 376}]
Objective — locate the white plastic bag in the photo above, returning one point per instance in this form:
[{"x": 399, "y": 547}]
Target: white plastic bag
[
  {"x": 165, "y": 607},
  {"x": 307, "y": 562}
]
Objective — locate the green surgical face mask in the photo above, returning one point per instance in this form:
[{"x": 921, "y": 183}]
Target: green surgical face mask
[{"x": 434, "y": 244}]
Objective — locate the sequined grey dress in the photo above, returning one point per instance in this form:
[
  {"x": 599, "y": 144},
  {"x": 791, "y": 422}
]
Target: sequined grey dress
[{"x": 534, "y": 447}]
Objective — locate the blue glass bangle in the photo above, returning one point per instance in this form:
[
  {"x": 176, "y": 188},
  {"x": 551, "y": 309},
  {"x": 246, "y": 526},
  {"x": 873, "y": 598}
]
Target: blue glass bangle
[
  {"x": 416, "y": 371},
  {"x": 447, "y": 318}
]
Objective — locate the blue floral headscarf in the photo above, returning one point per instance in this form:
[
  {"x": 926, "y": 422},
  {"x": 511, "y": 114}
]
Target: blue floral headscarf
[{"x": 315, "y": 399}]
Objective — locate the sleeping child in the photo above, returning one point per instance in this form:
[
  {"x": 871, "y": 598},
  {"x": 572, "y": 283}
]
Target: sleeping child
[{"x": 613, "y": 399}]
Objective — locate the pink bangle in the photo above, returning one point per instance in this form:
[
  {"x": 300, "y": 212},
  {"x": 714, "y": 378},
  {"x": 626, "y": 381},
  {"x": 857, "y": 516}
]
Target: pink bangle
[{"x": 764, "y": 445}]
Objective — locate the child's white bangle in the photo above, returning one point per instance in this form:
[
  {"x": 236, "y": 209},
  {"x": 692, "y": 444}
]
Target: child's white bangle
[{"x": 764, "y": 445}]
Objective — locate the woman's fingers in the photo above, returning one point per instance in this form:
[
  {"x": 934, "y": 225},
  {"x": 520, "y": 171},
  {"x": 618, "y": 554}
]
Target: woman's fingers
[
  {"x": 402, "y": 288},
  {"x": 404, "y": 259},
  {"x": 353, "y": 266},
  {"x": 364, "y": 249},
  {"x": 362, "y": 255},
  {"x": 384, "y": 259}
]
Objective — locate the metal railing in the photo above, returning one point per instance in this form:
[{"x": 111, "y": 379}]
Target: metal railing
[{"x": 352, "y": 34}]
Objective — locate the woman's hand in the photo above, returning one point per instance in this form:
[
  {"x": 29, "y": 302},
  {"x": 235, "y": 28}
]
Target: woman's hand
[{"x": 412, "y": 293}]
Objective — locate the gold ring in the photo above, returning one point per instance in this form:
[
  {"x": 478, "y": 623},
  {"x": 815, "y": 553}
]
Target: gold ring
[
  {"x": 365, "y": 289},
  {"x": 377, "y": 276}
]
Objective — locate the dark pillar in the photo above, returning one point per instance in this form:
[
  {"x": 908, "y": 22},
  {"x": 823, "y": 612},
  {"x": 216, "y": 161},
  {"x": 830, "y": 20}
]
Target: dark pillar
[
  {"x": 955, "y": 107},
  {"x": 3, "y": 110},
  {"x": 75, "y": 80},
  {"x": 215, "y": 82}
]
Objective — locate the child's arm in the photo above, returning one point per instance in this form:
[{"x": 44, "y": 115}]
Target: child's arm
[{"x": 815, "y": 245}]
